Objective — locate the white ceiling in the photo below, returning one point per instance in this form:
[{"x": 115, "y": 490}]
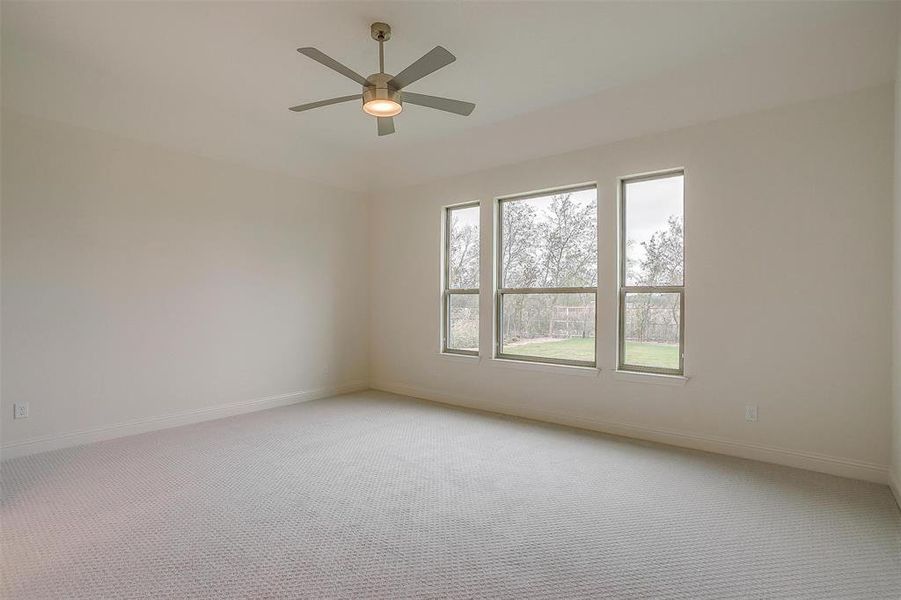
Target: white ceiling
[{"x": 216, "y": 78}]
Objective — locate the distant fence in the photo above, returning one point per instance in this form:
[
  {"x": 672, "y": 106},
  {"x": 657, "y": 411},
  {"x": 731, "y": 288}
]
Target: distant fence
[
  {"x": 652, "y": 324},
  {"x": 572, "y": 321},
  {"x": 536, "y": 319}
]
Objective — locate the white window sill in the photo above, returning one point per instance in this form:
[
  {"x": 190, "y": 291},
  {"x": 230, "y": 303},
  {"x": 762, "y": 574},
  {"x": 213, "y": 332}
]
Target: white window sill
[
  {"x": 464, "y": 358},
  {"x": 652, "y": 378},
  {"x": 526, "y": 365}
]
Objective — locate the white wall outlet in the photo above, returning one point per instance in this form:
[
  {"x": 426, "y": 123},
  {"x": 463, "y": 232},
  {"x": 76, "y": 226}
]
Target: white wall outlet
[
  {"x": 751, "y": 413},
  {"x": 20, "y": 410}
]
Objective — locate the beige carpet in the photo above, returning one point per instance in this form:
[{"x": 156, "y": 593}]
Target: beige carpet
[{"x": 375, "y": 496}]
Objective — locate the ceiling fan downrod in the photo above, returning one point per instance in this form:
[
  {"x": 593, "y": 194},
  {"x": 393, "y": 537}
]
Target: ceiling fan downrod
[{"x": 381, "y": 32}]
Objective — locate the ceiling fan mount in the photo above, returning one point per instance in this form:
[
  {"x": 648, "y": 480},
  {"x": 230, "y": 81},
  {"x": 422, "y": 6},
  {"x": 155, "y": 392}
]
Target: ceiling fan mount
[
  {"x": 381, "y": 32},
  {"x": 382, "y": 93}
]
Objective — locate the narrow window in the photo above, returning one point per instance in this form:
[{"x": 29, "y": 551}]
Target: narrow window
[
  {"x": 652, "y": 266},
  {"x": 460, "y": 329},
  {"x": 547, "y": 277}
]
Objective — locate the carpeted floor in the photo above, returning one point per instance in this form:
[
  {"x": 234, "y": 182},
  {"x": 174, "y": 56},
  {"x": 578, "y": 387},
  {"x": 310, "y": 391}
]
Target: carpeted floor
[{"x": 375, "y": 496}]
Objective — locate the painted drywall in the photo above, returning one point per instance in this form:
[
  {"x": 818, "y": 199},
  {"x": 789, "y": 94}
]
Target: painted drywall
[
  {"x": 788, "y": 285},
  {"x": 896, "y": 379},
  {"x": 140, "y": 282}
]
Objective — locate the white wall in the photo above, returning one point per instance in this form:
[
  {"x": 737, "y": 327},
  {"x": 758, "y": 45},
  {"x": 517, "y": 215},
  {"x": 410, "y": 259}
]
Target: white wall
[
  {"x": 896, "y": 391},
  {"x": 139, "y": 283},
  {"x": 788, "y": 248}
]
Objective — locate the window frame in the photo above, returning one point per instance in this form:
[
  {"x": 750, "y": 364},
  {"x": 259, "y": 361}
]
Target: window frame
[
  {"x": 624, "y": 289},
  {"x": 446, "y": 290},
  {"x": 500, "y": 291}
]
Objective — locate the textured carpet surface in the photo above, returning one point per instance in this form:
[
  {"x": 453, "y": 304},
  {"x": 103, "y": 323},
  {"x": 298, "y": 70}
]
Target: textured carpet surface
[{"x": 375, "y": 496}]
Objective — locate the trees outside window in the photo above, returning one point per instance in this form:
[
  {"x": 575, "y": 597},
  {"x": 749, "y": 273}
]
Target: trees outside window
[
  {"x": 652, "y": 294},
  {"x": 460, "y": 298},
  {"x": 547, "y": 254},
  {"x": 547, "y": 273}
]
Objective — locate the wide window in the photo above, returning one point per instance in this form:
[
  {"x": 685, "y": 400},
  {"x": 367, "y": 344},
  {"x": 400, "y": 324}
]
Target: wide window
[
  {"x": 460, "y": 330},
  {"x": 652, "y": 266},
  {"x": 547, "y": 277}
]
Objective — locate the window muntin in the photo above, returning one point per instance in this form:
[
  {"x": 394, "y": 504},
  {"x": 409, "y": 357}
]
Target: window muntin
[
  {"x": 547, "y": 274},
  {"x": 460, "y": 301},
  {"x": 652, "y": 296}
]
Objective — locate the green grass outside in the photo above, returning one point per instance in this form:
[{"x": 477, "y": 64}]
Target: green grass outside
[
  {"x": 637, "y": 353},
  {"x": 642, "y": 354},
  {"x": 570, "y": 349}
]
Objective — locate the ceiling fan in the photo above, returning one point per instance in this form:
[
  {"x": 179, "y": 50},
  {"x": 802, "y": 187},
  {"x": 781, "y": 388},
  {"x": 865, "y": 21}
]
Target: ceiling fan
[{"x": 382, "y": 94}]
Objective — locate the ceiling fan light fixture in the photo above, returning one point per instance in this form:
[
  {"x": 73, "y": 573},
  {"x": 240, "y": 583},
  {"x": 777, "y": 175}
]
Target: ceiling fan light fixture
[
  {"x": 379, "y": 100},
  {"x": 382, "y": 107}
]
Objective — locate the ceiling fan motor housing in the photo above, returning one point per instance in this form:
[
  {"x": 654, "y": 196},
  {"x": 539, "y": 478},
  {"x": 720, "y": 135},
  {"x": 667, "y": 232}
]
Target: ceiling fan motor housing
[{"x": 378, "y": 89}]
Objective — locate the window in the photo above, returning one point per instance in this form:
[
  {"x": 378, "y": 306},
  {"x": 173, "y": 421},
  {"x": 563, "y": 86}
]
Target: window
[
  {"x": 651, "y": 293},
  {"x": 547, "y": 277},
  {"x": 460, "y": 330}
]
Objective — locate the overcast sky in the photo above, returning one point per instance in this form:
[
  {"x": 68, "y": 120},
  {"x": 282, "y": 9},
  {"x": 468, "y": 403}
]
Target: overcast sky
[{"x": 649, "y": 204}]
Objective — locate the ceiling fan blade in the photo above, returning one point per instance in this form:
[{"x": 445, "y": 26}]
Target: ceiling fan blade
[
  {"x": 302, "y": 107},
  {"x": 433, "y": 60},
  {"x": 457, "y": 107},
  {"x": 386, "y": 125},
  {"x": 333, "y": 64}
]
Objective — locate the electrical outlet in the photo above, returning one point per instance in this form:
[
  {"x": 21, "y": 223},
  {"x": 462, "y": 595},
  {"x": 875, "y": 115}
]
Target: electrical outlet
[
  {"x": 751, "y": 413},
  {"x": 20, "y": 410}
]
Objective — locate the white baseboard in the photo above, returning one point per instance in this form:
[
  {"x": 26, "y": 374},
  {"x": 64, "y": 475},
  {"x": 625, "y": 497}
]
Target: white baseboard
[
  {"x": 782, "y": 456},
  {"x": 894, "y": 482},
  {"x": 143, "y": 425},
  {"x": 811, "y": 461}
]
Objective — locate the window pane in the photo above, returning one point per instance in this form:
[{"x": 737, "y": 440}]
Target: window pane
[
  {"x": 463, "y": 322},
  {"x": 550, "y": 241},
  {"x": 651, "y": 335},
  {"x": 558, "y": 326},
  {"x": 654, "y": 254},
  {"x": 463, "y": 248}
]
